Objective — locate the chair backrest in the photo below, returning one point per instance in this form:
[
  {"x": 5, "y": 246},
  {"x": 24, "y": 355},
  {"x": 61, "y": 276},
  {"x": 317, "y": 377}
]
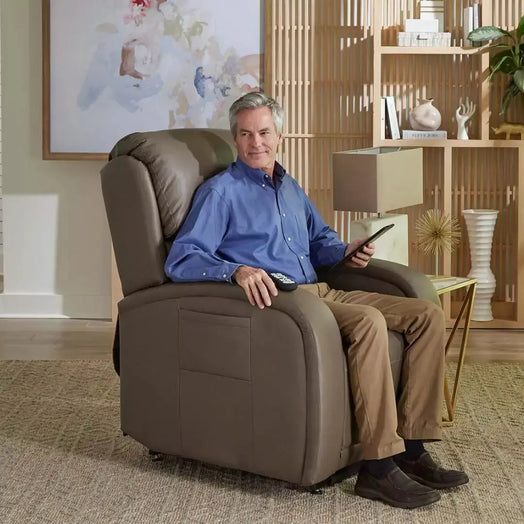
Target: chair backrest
[{"x": 148, "y": 185}]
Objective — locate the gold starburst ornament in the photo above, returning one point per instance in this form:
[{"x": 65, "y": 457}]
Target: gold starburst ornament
[{"x": 436, "y": 233}]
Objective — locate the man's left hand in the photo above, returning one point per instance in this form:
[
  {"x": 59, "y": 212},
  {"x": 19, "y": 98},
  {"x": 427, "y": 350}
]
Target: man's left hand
[{"x": 360, "y": 258}]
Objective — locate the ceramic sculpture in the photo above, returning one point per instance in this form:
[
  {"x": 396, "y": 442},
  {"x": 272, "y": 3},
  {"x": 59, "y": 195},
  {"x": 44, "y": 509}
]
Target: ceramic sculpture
[
  {"x": 480, "y": 224},
  {"x": 463, "y": 113},
  {"x": 425, "y": 116}
]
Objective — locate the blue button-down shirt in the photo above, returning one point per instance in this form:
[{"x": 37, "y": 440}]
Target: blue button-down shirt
[{"x": 244, "y": 217}]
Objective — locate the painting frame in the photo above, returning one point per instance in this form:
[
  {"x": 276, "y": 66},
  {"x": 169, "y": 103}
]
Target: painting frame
[{"x": 51, "y": 148}]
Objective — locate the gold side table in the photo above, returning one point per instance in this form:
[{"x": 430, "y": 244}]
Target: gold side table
[{"x": 447, "y": 285}]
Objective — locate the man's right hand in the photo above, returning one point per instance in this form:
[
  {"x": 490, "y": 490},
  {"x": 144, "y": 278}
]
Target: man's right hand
[{"x": 257, "y": 285}]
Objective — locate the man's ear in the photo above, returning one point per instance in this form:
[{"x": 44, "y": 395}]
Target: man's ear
[{"x": 280, "y": 138}]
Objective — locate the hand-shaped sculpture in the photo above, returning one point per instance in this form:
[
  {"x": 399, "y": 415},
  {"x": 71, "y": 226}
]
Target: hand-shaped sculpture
[{"x": 463, "y": 113}]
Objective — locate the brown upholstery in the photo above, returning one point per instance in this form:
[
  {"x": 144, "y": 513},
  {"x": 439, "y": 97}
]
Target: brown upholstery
[{"x": 204, "y": 374}]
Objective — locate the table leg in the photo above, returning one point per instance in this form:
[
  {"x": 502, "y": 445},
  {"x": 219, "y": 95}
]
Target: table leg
[{"x": 467, "y": 307}]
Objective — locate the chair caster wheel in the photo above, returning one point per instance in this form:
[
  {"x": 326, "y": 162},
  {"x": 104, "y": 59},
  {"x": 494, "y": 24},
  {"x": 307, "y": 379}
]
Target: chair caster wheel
[
  {"x": 313, "y": 490},
  {"x": 155, "y": 456}
]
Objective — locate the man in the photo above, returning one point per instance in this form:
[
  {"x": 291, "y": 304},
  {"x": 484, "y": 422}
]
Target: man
[{"x": 254, "y": 219}]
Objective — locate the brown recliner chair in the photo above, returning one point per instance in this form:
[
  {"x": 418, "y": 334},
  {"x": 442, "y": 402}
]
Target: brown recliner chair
[{"x": 205, "y": 375}]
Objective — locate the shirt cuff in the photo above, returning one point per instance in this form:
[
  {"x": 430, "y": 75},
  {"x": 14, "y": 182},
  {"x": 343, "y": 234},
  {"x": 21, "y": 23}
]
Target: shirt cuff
[{"x": 234, "y": 267}]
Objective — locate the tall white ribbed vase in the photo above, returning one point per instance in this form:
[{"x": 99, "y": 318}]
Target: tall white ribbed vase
[{"x": 481, "y": 224}]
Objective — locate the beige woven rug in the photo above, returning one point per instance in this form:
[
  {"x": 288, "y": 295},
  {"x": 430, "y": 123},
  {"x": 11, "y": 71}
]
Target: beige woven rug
[{"x": 64, "y": 460}]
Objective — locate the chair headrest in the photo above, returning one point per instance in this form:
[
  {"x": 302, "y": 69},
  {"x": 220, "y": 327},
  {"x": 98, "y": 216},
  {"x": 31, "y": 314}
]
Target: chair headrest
[{"x": 178, "y": 161}]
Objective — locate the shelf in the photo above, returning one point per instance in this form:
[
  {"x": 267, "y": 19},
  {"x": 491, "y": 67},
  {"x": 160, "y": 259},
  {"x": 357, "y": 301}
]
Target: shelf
[
  {"x": 454, "y": 50},
  {"x": 449, "y": 143},
  {"x": 486, "y": 171}
]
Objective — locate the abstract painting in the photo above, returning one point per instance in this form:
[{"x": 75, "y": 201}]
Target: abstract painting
[{"x": 113, "y": 67}]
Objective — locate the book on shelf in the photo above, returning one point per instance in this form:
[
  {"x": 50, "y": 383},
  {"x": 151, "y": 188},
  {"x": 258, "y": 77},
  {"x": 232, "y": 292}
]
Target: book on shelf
[
  {"x": 470, "y": 22},
  {"x": 441, "y": 282},
  {"x": 433, "y": 9},
  {"x": 415, "y": 135},
  {"x": 476, "y": 15},
  {"x": 476, "y": 20},
  {"x": 382, "y": 118},
  {"x": 392, "y": 118},
  {"x": 467, "y": 25},
  {"x": 442, "y": 278}
]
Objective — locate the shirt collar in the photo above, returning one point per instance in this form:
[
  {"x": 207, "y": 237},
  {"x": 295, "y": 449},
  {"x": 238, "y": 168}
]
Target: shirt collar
[{"x": 257, "y": 175}]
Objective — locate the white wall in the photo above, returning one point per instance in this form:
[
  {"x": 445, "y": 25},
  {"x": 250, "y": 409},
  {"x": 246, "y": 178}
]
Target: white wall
[
  {"x": 57, "y": 251},
  {"x": 1, "y": 213}
]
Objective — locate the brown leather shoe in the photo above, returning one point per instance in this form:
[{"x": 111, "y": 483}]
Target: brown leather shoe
[
  {"x": 426, "y": 471},
  {"x": 396, "y": 489}
]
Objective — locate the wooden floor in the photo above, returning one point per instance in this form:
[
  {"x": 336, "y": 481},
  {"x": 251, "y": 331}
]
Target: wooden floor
[{"x": 55, "y": 339}]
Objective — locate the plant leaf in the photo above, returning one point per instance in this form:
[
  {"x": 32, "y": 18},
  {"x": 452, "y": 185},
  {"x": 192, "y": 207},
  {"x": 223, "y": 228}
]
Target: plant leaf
[
  {"x": 518, "y": 78},
  {"x": 488, "y": 32},
  {"x": 500, "y": 62},
  {"x": 506, "y": 99},
  {"x": 520, "y": 29},
  {"x": 505, "y": 65},
  {"x": 511, "y": 91}
]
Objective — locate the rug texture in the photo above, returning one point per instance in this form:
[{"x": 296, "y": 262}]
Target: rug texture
[{"x": 63, "y": 459}]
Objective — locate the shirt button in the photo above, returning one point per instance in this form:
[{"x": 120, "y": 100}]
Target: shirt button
[
  {"x": 204, "y": 274},
  {"x": 289, "y": 239},
  {"x": 263, "y": 185},
  {"x": 225, "y": 276},
  {"x": 301, "y": 257},
  {"x": 283, "y": 214}
]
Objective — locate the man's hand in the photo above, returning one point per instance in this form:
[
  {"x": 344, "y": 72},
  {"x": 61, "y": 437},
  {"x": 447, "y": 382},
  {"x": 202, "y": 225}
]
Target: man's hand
[
  {"x": 360, "y": 258},
  {"x": 257, "y": 285}
]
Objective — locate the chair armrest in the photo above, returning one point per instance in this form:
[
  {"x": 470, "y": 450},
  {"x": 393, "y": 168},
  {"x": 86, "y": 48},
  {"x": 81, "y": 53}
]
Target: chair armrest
[
  {"x": 382, "y": 276},
  {"x": 299, "y": 304}
]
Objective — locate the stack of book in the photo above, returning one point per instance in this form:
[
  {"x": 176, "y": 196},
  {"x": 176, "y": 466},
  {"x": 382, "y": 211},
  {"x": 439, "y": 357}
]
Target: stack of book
[{"x": 471, "y": 21}]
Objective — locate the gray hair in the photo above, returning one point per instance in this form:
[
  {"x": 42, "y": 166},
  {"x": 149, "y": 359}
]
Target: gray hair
[{"x": 253, "y": 100}]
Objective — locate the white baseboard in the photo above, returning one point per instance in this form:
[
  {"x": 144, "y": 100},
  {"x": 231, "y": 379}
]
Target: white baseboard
[{"x": 55, "y": 306}]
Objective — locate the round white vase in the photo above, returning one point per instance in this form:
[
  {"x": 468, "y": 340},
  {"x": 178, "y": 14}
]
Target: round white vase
[
  {"x": 480, "y": 224},
  {"x": 425, "y": 116}
]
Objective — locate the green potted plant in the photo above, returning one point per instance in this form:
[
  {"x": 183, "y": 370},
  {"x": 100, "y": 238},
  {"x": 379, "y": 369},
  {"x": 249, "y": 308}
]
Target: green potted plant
[{"x": 509, "y": 60}]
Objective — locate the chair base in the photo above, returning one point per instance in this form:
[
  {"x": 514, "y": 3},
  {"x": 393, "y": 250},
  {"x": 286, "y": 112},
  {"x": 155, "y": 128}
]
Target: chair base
[
  {"x": 336, "y": 478},
  {"x": 315, "y": 489}
]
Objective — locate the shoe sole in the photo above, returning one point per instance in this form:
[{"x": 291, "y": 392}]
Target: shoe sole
[
  {"x": 369, "y": 493},
  {"x": 435, "y": 485}
]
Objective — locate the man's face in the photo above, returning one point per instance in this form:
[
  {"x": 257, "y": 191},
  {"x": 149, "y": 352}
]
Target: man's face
[{"x": 256, "y": 138}]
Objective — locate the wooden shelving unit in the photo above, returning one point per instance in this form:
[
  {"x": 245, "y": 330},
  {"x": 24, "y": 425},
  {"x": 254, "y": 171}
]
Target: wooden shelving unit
[
  {"x": 330, "y": 62},
  {"x": 454, "y": 50},
  {"x": 483, "y": 172}
]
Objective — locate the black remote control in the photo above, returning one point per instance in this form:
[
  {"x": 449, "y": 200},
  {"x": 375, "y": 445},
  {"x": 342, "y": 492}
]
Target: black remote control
[{"x": 282, "y": 282}]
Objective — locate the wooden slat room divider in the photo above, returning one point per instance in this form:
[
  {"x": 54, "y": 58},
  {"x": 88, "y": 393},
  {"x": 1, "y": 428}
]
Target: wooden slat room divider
[{"x": 319, "y": 66}]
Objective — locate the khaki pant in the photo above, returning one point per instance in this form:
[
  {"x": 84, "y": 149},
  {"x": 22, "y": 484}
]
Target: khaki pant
[{"x": 364, "y": 319}]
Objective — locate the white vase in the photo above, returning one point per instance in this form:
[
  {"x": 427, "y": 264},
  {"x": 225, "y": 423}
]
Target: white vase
[
  {"x": 425, "y": 116},
  {"x": 481, "y": 224}
]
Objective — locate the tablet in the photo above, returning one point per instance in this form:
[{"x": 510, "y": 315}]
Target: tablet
[{"x": 354, "y": 251}]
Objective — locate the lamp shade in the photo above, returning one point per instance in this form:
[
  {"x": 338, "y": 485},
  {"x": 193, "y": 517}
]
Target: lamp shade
[{"x": 377, "y": 179}]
